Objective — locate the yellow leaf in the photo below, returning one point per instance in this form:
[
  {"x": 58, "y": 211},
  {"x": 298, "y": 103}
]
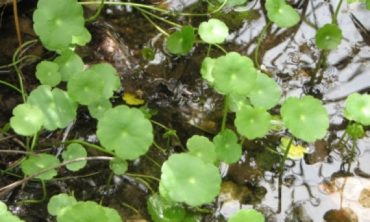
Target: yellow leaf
[
  {"x": 131, "y": 99},
  {"x": 296, "y": 152}
]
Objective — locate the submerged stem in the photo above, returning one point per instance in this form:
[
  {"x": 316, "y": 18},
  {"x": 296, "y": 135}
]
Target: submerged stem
[
  {"x": 259, "y": 41},
  {"x": 334, "y": 20},
  {"x": 225, "y": 112}
]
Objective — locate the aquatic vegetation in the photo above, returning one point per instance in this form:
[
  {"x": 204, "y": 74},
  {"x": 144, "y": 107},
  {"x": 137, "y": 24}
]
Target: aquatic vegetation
[
  {"x": 69, "y": 64},
  {"x": 296, "y": 152},
  {"x": 48, "y": 73},
  {"x": 59, "y": 24},
  {"x": 41, "y": 162},
  {"x": 213, "y": 31},
  {"x": 125, "y": 131},
  {"x": 74, "y": 151},
  {"x": 247, "y": 215},
  {"x": 27, "y": 119},
  {"x": 118, "y": 166},
  {"x": 328, "y": 37},
  {"x": 227, "y": 147},
  {"x": 202, "y": 148},
  {"x": 7, "y": 216},
  {"x": 67, "y": 208},
  {"x": 181, "y": 42},
  {"x": 186, "y": 178},
  {"x": 281, "y": 13},
  {"x": 357, "y": 108}
]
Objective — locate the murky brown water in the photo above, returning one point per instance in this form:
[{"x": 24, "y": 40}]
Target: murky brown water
[{"x": 318, "y": 184}]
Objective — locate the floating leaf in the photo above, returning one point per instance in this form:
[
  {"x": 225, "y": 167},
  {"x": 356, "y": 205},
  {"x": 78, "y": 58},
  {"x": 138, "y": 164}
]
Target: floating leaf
[
  {"x": 118, "y": 166},
  {"x": 37, "y": 163},
  {"x": 265, "y": 93},
  {"x": 98, "y": 109},
  {"x": 48, "y": 73},
  {"x": 181, "y": 42},
  {"x": 236, "y": 102},
  {"x": 306, "y": 118},
  {"x": 86, "y": 87},
  {"x": 111, "y": 78},
  {"x": 207, "y": 67},
  {"x": 88, "y": 211},
  {"x": 253, "y": 122},
  {"x": 357, "y": 108},
  {"x": 296, "y": 152},
  {"x": 69, "y": 63},
  {"x": 82, "y": 38},
  {"x": 6, "y": 216},
  {"x": 213, "y": 31},
  {"x": 328, "y": 37},
  {"x": 188, "y": 179},
  {"x": 125, "y": 131},
  {"x": 57, "y": 107},
  {"x": 250, "y": 215},
  {"x": 282, "y": 14},
  {"x": 355, "y": 131},
  {"x": 58, "y": 203},
  {"x": 227, "y": 147},
  {"x": 57, "y": 22},
  {"x": 202, "y": 148},
  {"x": 27, "y": 119},
  {"x": 72, "y": 152},
  {"x": 233, "y": 2},
  {"x": 234, "y": 74}
]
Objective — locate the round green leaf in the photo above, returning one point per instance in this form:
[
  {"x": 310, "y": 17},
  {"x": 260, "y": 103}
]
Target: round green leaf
[
  {"x": 328, "y": 37},
  {"x": 213, "y": 31},
  {"x": 97, "y": 109},
  {"x": 228, "y": 149},
  {"x": 207, "y": 68},
  {"x": 57, "y": 107},
  {"x": 57, "y": 21},
  {"x": 86, "y": 87},
  {"x": 162, "y": 210},
  {"x": 250, "y": 215},
  {"x": 58, "y": 203},
  {"x": 236, "y": 102},
  {"x": 355, "y": 130},
  {"x": 72, "y": 152},
  {"x": 125, "y": 131},
  {"x": 48, "y": 73},
  {"x": 266, "y": 92},
  {"x": 88, "y": 211},
  {"x": 37, "y": 163},
  {"x": 6, "y": 216},
  {"x": 188, "y": 179},
  {"x": 234, "y": 74},
  {"x": 368, "y": 4},
  {"x": 27, "y": 119},
  {"x": 253, "y": 122},
  {"x": 306, "y": 118},
  {"x": 111, "y": 78},
  {"x": 282, "y": 14},
  {"x": 357, "y": 108},
  {"x": 181, "y": 42},
  {"x": 118, "y": 166},
  {"x": 202, "y": 148},
  {"x": 69, "y": 63},
  {"x": 82, "y": 38}
]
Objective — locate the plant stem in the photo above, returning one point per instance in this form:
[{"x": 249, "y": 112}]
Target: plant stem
[
  {"x": 11, "y": 86},
  {"x": 209, "y": 49},
  {"x": 101, "y": 149},
  {"x": 259, "y": 41},
  {"x": 154, "y": 24},
  {"x": 16, "y": 21},
  {"x": 159, "y": 18},
  {"x": 221, "y": 48},
  {"x": 334, "y": 20},
  {"x": 131, "y": 208},
  {"x": 97, "y": 13},
  {"x": 225, "y": 112},
  {"x": 282, "y": 163},
  {"x": 142, "y": 176},
  {"x": 33, "y": 143}
]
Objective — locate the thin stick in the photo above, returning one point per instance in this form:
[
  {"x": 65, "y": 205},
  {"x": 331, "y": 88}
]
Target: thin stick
[{"x": 16, "y": 21}]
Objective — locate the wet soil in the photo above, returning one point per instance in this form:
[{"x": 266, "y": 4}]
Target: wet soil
[{"x": 331, "y": 182}]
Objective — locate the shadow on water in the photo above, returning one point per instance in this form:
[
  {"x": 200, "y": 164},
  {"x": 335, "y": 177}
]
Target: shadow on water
[{"x": 331, "y": 182}]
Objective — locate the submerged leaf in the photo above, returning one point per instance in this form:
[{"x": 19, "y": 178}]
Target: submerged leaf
[{"x": 188, "y": 179}]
